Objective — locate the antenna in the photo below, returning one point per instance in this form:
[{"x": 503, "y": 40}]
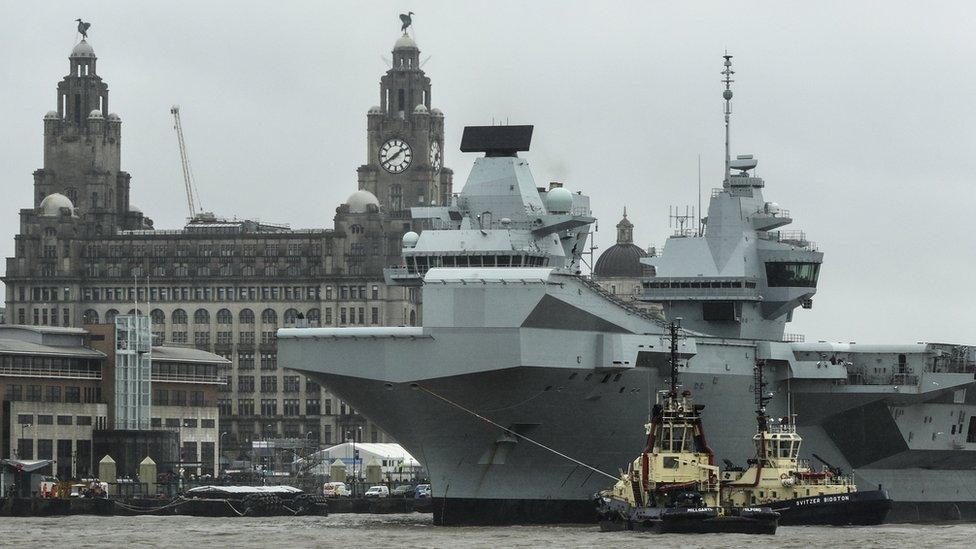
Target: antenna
[
  {"x": 679, "y": 220},
  {"x": 699, "y": 195},
  {"x": 727, "y": 95}
]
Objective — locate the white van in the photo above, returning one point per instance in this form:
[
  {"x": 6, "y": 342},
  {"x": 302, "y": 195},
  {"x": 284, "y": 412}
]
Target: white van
[
  {"x": 335, "y": 489},
  {"x": 378, "y": 491}
]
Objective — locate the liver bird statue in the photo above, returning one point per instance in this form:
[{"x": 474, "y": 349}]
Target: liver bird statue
[
  {"x": 83, "y": 28},
  {"x": 405, "y": 17}
]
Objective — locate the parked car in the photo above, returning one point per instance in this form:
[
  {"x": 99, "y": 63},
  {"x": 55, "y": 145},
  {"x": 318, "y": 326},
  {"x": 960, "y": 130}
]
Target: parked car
[
  {"x": 335, "y": 489},
  {"x": 404, "y": 491},
  {"x": 422, "y": 491},
  {"x": 378, "y": 491}
]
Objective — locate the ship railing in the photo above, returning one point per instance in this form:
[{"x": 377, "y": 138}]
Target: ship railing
[
  {"x": 860, "y": 378},
  {"x": 794, "y": 338},
  {"x": 793, "y": 238},
  {"x": 628, "y": 306}
]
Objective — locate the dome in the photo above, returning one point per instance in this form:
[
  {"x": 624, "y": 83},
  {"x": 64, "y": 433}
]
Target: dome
[
  {"x": 404, "y": 43},
  {"x": 52, "y": 204},
  {"x": 410, "y": 239},
  {"x": 83, "y": 49},
  {"x": 559, "y": 200},
  {"x": 436, "y": 112},
  {"x": 620, "y": 260},
  {"x": 95, "y": 114},
  {"x": 360, "y": 201},
  {"x": 52, "y": 115},
  {"x": 375, "y": 109},
  {"x": 420, "y": 109},
  {"x": 133, "y": 208},
  {"x": 113, "y": 116}
]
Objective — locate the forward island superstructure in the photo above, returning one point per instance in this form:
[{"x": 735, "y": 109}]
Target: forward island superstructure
[{"x": 526, "y": 376}]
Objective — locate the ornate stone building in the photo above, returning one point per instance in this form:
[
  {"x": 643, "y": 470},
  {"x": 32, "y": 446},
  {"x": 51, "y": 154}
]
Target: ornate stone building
[
  {"x": 619, "y": 270},
  {"x": 85, "y": 253}
]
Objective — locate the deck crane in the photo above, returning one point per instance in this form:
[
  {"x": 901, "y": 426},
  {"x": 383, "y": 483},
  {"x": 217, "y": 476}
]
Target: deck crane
[{"x": 192, "y": 197}]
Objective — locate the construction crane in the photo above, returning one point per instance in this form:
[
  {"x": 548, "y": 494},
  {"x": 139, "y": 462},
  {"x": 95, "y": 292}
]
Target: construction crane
[{"x": 192, "y": 197}]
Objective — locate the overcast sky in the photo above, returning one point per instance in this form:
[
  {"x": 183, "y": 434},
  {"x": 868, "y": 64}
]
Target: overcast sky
[{"x": 862, "y": 115}]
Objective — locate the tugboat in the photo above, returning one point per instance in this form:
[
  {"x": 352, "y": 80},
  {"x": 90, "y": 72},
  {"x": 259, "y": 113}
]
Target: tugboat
[
  {"x": 673, "y": 485},
  {"x": 800, "y": 493}
]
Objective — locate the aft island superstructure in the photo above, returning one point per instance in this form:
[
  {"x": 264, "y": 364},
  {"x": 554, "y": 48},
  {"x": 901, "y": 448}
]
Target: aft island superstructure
[{"x": 526, "y": 376}]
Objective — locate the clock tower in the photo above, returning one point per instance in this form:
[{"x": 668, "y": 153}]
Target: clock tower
[{"x": 405, "y": 139}]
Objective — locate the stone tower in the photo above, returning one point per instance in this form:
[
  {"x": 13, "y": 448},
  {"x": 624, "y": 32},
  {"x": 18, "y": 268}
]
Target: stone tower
[
  {"x": 405, "y": 139},
  {"x": 82, "y": 145}
]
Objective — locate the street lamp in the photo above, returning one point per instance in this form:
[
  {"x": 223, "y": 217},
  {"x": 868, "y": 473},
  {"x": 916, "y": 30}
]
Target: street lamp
[{"x": 220, "y": 448}]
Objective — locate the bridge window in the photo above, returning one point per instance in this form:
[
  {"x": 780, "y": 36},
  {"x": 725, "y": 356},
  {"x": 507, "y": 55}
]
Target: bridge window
[
  {"x": 792, "y": 274},
  {"x": 718, "y": 311}
]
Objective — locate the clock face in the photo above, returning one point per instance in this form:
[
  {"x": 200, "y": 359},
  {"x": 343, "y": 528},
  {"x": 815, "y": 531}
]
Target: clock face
[
  {"x": 435, "y": 156},
  {"x": 395, "y": 155}
]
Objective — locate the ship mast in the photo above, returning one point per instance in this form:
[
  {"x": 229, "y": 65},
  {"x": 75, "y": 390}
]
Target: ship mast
[
  {"x": 673, "y": 329},
  {"x": 762, "y": 398},
  {"x": 727, "y": 95}
]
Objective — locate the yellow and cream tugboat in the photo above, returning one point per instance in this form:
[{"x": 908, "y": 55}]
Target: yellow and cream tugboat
[
  {"x": 776, "y": 477},
  {"x": 673, "y": 485}
]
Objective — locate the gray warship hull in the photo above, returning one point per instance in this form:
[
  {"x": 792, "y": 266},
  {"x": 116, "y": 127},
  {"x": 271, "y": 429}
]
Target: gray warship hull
[{"x": 428, "y": 386}]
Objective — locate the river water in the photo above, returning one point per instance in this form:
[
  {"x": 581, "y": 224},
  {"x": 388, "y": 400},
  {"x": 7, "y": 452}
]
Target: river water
[{"x": 416, "y": 530}]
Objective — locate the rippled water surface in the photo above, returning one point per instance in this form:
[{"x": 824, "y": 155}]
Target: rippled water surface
[{"x": 416, "y": 530}]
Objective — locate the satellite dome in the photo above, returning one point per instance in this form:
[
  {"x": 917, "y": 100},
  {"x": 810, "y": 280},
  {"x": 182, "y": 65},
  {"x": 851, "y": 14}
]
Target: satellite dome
[
  {"x": 95, "y": 114},
  {"x": 360, "y": 201},
  {"x": 113, "y": 116},
  {"x": 410, "y": 239},
  {"x": 420, "y": 109},
  {"x": 52, "y": 115},
  {"x": 83, "y": 49},
  {"x": 53, "y": 203},
  {"x": 559, "y": 200},
  {"x": 436, "y": 112},
  {"x": 375, "y": 109},
  {"x": 405, "y": 43}
]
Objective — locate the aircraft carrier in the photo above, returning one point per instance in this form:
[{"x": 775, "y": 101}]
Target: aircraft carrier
[{"x": 527, "y": 380}]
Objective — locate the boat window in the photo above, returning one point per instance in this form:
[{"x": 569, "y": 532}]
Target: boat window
[
  {"x": 449, "y": 261},
  {"x": 792, "y": 274},
  {"x": 784, "y": 449},
  {"x": 475, "y": 260},
  {"x": 462, "y": 261},
  {"x": 670, "y": 463}
]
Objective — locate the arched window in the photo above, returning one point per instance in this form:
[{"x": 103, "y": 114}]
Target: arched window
[
  {"x": 180, "y": 270},
  {"x": 246, "y": 316},
  {"x": 270, "y": 270},
  {"x": 203, "y": 271},
  {"x": 314, "y": 317},
  {"x": 179, "y": 316},
  {"x": 413, "y": 318},
  {"x": 396, "y": 197},
  {"x": 356, "y": 229},
  {"x": 50, "y": 231},
  {"x": 90, "y": 317},
  {"x": 136, "y": 271},
  {"x": 110, "y": 316},
  {"x": 159, "y": 270},
  {"x": 201, "y": 316},
  {"x": 290, "y": 316},
  {"x": 268, "y": 316},
  {"x": 248, "y": 270},
  {"x": 158, "y": 317},
  {"x": 224, "y": 317},
  {"x": 226, "y": 270},
  {"x": 134, "y": 312}
]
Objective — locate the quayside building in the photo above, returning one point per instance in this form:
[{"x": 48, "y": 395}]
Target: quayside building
[{"x": 85, "y": 253}]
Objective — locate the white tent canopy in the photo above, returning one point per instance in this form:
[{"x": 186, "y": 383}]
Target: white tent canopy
[{"x": 392, "y": 457}]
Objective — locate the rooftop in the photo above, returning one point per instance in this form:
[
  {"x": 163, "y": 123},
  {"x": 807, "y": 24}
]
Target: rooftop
[{"x": 186, "y": 354}]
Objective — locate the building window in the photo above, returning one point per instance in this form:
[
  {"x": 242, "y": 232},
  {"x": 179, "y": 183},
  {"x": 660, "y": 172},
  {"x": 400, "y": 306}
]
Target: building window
[
  {"x": 312, "y": 387},
  {"x": 245, "y": 338},
  {"x": 201, "y": 317},
  {"x": 292, "y": 384},
  {"x": 223, "y": 408},
  {"x": 25, "y": 419},
  {"x": 375, "y": 292},
  {"x": 179, "y": 316},
  {"x": 269, "y": 407},
  {"x": 64, "y": 420},
  {"x": 72, "y": 394},
  {"x": 246, "y": 316},
  {"x": 53, "y": 394},
  {"x": 291, "y": 407},
  {"x": 375, "y": 315},
  {"x": 45, "y": 419},
  {"x": 179, "y": 337},
  {"x": 269, "y": 384},
  {"x": 245, "y": 384},
  {"x": 362, "y": 315},
  {"x": 207, "y": 423},
  {"x": 245, "y": 360},
  {"x": 342, "y": 315},
  {"x": 328, "y": 317},
  {"x": 179, "y": 398},
  {"x": 245, "y": 407},
  {"x": 190, "y": 422},
  {"x": 269, "y": 361},
  {"x": 312, "y": 407}
]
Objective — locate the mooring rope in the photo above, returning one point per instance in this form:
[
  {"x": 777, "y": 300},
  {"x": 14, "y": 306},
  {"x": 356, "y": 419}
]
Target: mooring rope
[{"x": 513, "y": 433}]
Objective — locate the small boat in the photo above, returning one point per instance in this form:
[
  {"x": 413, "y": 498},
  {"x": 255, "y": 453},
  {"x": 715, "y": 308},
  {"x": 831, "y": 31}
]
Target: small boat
[
  {"x": 800, "y": 493},
  {"x": 673, "y": 486}
]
